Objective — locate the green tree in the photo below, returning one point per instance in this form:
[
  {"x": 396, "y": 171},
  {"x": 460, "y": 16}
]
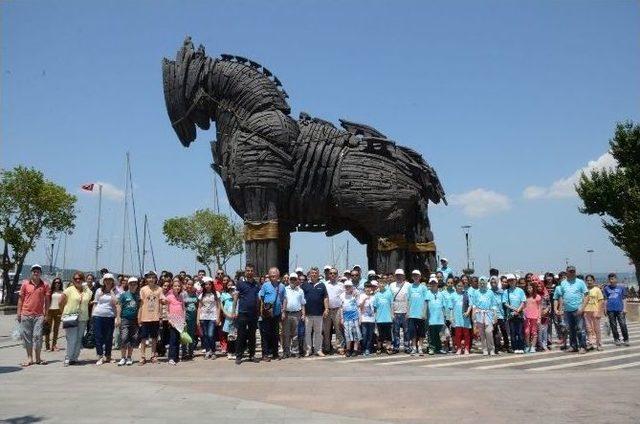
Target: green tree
[
  {"x": 614, "y": 194},
  {"x": 213, "y": 238},
  {"x": 30, "y": 205}
]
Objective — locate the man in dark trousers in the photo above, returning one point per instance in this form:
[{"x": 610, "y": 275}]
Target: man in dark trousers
[{"x": 245, "y": 309}]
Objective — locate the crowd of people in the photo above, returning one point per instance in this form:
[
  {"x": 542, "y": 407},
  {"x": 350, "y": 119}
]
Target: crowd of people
[{"x": 314, "y": 313}]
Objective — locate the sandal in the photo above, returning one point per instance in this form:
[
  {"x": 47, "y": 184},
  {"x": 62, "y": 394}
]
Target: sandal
[
  {"x": 41, "y": 362},
  {"x": 154, "y": 359},
  {"x": 26, "y": 364},
  {"x": 143, "y": 361}
]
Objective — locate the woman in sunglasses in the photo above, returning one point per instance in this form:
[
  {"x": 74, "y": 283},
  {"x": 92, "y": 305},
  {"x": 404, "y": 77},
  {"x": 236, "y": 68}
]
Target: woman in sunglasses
[{"x": 74, "y": 304}]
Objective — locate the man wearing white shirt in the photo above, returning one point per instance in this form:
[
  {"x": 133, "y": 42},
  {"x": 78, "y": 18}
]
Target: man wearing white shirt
[
  {"x": 332, "y": 319},
  {"x": 293, "y": 312},
  {"x": 399, "y": 288}
]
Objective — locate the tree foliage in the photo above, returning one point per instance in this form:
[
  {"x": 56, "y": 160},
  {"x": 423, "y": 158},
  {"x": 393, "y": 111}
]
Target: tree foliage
[
  {"x": 30, "y": 206},
  {"x": 614, "y": 194},
  {"x": 212, "y": 237}
]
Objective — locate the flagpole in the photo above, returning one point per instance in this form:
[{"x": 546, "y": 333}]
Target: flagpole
[{"x": 98, "y": 232}]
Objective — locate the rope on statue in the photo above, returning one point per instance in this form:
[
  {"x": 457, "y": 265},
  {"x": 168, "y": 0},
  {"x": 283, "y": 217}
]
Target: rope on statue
[{"x": 267, "y": 230}]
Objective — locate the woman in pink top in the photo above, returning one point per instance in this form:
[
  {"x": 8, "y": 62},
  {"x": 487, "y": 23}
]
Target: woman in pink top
[
  {"x": 176, "y": 318},
  {"x": 532, "y": 314}
]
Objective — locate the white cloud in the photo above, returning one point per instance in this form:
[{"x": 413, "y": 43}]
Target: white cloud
[
  {"x": 564, "y": 187},
  {"x": 480, "y": 202},
  {"x": 109, "y": 191}
]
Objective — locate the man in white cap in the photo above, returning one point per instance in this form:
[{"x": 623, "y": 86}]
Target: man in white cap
[
  {"x": 325, "y": 272},
  {"x": 514, "y": 301},
  {"x": 399, "y": 289},
  {"x": 331, "y": 321},
  {"x": 33, "y": 307},
  {"x": 445, "y": 269}
]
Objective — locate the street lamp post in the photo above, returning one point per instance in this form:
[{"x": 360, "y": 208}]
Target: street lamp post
[
  {"x": 468, "y": 270},
  {"x": 590, "y": 252}
]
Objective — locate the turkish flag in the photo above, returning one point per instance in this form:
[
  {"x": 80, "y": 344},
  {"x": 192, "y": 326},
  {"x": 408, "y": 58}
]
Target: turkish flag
[{"x": 88, "y": 187}]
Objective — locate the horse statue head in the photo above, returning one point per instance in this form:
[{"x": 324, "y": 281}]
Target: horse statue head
[{"x": 185, "y": 96}]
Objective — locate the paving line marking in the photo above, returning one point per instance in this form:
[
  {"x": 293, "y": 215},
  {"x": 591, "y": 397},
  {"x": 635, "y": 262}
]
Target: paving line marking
[
  {"x": 619, "y": 367},
  {"x": 501, "y": 357},
  {"x": 589, "y": 362},
  {"x": 567, "y": 355}
]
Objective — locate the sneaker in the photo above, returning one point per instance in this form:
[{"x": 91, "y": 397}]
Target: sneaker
[
  {"x": 414, "y": 352},
  {"x": 66, "y": 362},
  {"x": 172, "y": 362},
  {"x": 320, "y": 353},
  {"x": 617, "y": 343},
  {"x": 431, "y": 352},
  {"x": 492, "y": 353},
  {"x": 518, "y": 351},
  {"x": 366, "y": 353},
  {"x": 626, "y": 343},
  {"x": 485, "y": 352},
  {"x": 583, "y": 350},
  {"x": 306, "y": 355},
  {"x": 100, "y": 361},
  {"x": 129, "y": 362},
  {"x": 238, "y": 361},
  {"x": 458, "y": 352},
  {"x": 467, "y": 352},
  {"x": 444, "y": 352},
  {"x": 122, "y": 362}
]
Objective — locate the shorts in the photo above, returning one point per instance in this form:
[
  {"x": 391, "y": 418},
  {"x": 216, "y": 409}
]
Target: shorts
[
  {"x": 352, "y": 331},
  {"x": 149, "y": 330},
  {"x": 384, "y": 331},
  {"x": 417, "y": 328},
  {"x": 31, "y": 330},
  {"x": 129, "y": 333}
]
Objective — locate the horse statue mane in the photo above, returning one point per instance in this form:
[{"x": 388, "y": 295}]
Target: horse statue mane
[{"x": 284, "y": 175}]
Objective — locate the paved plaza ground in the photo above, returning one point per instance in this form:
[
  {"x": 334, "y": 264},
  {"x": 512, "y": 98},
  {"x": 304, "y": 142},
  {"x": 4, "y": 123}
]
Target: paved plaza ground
[{"x": 553, "y": 387}]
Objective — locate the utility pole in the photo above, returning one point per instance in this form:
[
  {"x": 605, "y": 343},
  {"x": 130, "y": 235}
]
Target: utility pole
[
  {"x": 98, "y": 231},
  {"x": 590, "y": 252}
]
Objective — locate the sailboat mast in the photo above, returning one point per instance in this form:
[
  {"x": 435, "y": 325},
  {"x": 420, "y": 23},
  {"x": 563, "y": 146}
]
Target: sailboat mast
[
  {"x": 135, "y": 219},
  {"x": 144, "y": 244},
  {"x": 124, "y": 216}
]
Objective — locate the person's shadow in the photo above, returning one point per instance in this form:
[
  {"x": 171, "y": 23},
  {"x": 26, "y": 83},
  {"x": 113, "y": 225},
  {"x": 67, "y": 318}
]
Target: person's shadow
[
  {"x": 6, "y": 370},
  {"x": 26, "y": 419}
]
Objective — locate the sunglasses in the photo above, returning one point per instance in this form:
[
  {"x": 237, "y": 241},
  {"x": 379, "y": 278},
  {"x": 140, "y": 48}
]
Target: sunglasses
[
  {"x": 334, "y": 273},
  {"x": 77, "y": 279}
]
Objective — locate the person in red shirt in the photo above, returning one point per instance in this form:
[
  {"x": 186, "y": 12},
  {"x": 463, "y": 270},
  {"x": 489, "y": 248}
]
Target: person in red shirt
[{"x": 33, "y": 306}]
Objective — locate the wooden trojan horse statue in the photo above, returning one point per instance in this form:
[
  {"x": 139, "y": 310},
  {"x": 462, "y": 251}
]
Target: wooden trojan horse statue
[{"x": 283, "y": 175}]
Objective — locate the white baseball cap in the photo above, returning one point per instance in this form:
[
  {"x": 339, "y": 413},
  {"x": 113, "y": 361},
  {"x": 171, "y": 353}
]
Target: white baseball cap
[
  {"x": 371, "y": 272},
  {"x": 36, "y": 266},
  {"x": 132, "y": 280},
  {"x": 444, "y": 259},
  {"x": 207, "y": 279},
  {"x": 399, "y": 271},
  {"x": 510, "y": 277},
  {"x": 299, "y": 269},
  {"x": 108, "y": 276},
  {"x": 417, "y": 272},
  {"x": 326, "y": 267},
  {"x": 433, "y": 280},
  {"x": 356, "y": 266},
  {"x": 348, "y": 283}
]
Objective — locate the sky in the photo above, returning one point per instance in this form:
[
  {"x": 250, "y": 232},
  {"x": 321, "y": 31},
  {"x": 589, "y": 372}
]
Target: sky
[{"x": 507, "y": 100}]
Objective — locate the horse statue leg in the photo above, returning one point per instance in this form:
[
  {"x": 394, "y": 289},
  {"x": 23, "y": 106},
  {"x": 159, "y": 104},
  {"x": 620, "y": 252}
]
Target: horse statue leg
[
  {"x": 266, "y": 240},
  {"x": 421, "y": 249}
]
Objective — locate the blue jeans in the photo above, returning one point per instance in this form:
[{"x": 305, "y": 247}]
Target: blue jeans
[
  {"x": 617, "y": 317},
  {"x": 174, "y": 344},
  {"x": 516, "y": 330},
  {"x": 575, "y": 322},
  {"x": 208, "y": 335},
  {"x": 368, "y": 328},
  {"x": 103, "y": 331},
  {"x": 400, "y": 322}
]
